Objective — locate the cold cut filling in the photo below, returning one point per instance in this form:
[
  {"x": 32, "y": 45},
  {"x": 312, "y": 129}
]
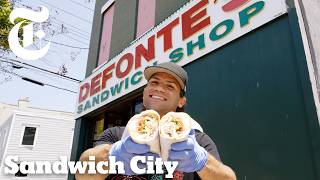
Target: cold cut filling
[
  {"x": 173, "y": 127},
  {"x": 146, "y": 127}
]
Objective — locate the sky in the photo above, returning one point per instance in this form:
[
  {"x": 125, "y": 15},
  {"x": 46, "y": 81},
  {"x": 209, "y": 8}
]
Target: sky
[{"x": 76, "y": 18}]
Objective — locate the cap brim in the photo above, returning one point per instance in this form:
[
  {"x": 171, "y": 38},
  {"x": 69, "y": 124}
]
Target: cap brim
[{"x": 151, "y": 70}]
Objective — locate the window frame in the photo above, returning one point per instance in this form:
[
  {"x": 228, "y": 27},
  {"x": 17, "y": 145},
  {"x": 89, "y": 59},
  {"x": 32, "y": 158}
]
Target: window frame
[
  {"x": 106, "y": 6},
  {"x": 24, "y": 126}
]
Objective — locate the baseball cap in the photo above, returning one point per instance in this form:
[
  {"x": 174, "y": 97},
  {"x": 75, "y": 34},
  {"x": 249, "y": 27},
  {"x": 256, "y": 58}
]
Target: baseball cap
[{"x": 171, "y": 68}]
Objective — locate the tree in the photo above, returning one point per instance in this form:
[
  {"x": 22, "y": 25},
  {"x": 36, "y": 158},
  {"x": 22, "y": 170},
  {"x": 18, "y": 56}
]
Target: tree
[{"x": 5, "y": 24}]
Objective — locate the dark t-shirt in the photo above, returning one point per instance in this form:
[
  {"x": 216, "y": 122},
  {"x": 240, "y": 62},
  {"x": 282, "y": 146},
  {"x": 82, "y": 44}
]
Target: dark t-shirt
[{"x": 114, "y": 134}]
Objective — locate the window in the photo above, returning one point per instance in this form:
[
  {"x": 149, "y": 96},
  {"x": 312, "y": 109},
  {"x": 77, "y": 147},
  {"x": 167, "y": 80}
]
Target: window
[
  {"x": 99, "y": 126},
  {"x": 138, "y": 107},
  {"x": 29, "y": 135},
  {"x": 104, "y": 50},
  {"x": 146, "y": 16}
]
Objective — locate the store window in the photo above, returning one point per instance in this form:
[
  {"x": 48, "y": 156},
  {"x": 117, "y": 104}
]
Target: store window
[
  {"x": 29, "y": 136},
  {"x": 138, "y": 107},
  {"x": 108, "y": 119},
  {"x": 99, "y": 126},
  {"x": 116, "y": 114},
  {"x": 104, "y": 50},
  {"x": 146, "y": 16}
]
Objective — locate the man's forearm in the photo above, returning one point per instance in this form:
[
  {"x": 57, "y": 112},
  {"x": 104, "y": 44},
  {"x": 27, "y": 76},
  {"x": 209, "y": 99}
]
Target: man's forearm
[
  {"x": 101, "y": 153},
  {"x": 216, "y": 170}
]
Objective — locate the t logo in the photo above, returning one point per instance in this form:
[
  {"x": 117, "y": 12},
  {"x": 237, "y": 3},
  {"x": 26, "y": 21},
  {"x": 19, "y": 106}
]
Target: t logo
[{"x": 13, "y": 38}]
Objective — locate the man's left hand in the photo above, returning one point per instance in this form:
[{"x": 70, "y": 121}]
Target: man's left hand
[{"x": 189, "y": 154}]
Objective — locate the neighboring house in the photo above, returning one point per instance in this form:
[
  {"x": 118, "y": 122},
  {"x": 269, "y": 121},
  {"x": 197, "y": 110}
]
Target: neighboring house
[{"x": 34, "y": 135}]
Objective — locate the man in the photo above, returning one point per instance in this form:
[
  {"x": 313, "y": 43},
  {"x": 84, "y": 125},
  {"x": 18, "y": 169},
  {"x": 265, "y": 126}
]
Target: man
[{"x": 197, "y": 156}]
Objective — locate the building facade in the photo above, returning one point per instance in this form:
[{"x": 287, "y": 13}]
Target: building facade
[
  {"x": 34, "y": 134},
  {"x": 252, "y": 85}
]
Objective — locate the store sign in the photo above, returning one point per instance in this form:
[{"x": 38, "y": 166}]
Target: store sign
[{"x": 196, "y": 29}]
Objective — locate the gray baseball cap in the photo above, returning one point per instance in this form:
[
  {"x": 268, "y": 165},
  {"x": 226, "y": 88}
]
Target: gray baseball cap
[{"x": 171, "y": 68}]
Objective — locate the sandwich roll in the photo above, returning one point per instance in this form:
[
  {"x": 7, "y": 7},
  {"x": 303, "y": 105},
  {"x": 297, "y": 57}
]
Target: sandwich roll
[
  {"x": 143, "y": 129},
  {"x": 173, "y": 127}
]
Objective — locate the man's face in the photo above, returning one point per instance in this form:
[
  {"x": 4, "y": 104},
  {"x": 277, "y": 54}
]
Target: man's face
[{"x": 162, "y": 94}]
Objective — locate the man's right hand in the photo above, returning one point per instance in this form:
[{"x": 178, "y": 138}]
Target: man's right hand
[{"x": 125, "y": 149}]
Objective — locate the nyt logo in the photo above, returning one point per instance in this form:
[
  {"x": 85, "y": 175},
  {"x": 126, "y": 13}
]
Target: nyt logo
[{"x": 28, "y": 34}]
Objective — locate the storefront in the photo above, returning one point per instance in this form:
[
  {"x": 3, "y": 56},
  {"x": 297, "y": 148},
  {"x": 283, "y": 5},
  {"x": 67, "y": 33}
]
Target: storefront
[{"x": 249, "y": 84}]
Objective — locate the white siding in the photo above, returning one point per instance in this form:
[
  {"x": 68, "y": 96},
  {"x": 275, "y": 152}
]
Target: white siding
[
  {"x": 312, "y": 15},
  {"x": 53, "y": 139},
  {"x": 5, "y": 112},
  {"x": 308, "y": 17},
  {"x": 4, "y": 134}
]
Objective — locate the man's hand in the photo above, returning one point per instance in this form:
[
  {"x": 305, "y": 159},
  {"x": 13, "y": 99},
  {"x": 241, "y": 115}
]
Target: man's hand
[
  {"x": 189, "y": 154},
  {"x": 101, "y": 154},
  {"x": 125, "y": 149}
]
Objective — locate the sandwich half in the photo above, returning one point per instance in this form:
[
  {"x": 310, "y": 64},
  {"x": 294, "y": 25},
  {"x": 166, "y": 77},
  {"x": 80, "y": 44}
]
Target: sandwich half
[
  {"x": 173, "y": 127},
  {"x": 143, "y": 129}
]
